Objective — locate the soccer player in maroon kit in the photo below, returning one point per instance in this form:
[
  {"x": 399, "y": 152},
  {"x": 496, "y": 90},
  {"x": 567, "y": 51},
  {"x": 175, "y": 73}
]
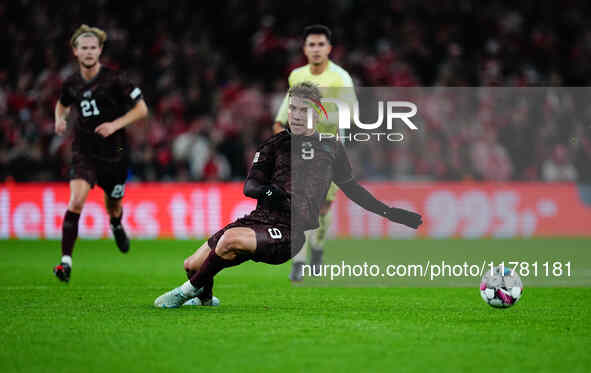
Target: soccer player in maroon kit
[
  {"x": 290, "y": 176},
  {"x": 105, "y": 102}
]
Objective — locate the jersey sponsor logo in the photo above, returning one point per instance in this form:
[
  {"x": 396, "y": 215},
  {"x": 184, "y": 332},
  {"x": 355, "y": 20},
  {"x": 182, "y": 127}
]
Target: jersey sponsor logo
[
  {"x": 275, "y": 233},
  {"x": 87, "y": 94},
  {"x": 135, "y": 93},
  {"x": 256, "y": 157}
]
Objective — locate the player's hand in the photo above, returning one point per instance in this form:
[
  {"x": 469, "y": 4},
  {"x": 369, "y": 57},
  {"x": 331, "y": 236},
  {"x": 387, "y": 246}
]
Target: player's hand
[
  {"x": 60, "y": 126},
  {"x": 275, "y": 192},
  {"x": 106, "y": 129},
  {"x": 275, "y": 195},
  {"x": 408, "y": 218}
]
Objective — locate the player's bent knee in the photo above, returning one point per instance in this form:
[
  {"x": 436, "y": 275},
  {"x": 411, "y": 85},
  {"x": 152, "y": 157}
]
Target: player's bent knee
[
  {"x": 76, "y": 204},
  {"x": 191, "y": 263},
  {"x": 112, "y": 203},
  {"x": 113, "y": 206},
  {"x": 113, "y": 211}
]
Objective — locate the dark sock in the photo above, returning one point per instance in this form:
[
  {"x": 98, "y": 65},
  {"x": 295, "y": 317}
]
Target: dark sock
[
  {"x": 69, "y": 232},
  {"x": 211, "y": 266},
  {"x": 115, "y": 222},
  {"x": 207, "y": 292},
  {"x": 190, "y": 273}
]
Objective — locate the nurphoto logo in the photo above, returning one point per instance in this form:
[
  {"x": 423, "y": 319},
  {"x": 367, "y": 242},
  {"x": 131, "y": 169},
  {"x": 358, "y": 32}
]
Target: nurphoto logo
[{"x": 344, "y": 119}]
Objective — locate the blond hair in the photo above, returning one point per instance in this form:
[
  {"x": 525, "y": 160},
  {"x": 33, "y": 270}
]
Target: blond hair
[
  {"x": 305, "y": 90},
  {"x": 86, "y": 30}
]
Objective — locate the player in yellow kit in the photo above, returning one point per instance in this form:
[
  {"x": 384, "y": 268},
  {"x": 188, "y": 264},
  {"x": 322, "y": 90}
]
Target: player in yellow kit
[{"x": 336, "y": 83}]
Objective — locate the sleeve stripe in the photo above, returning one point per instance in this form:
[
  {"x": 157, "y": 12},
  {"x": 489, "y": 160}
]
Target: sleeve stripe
[{"x": 135, "y": 93}]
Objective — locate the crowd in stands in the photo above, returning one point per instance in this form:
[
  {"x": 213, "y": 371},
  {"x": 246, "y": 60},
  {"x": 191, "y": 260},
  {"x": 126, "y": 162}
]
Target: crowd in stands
[{"x": 214, "y": 74}]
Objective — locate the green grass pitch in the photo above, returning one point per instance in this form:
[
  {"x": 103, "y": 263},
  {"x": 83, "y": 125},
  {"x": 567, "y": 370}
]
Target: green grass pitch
[{"x": 104, "y": 321}]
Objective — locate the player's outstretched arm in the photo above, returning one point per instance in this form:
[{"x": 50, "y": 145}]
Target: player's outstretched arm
[
  {"x": 139, "y": 111},
  {"x": 358, "y": 194},
  {"x": 61, "y": 113},
  {"x": 343, "y": 177}
]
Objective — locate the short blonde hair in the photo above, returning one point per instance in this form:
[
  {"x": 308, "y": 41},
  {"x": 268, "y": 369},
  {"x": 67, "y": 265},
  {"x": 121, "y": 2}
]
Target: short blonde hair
[
  {"x": 306, "y": 90},
  {"x": 86, "y": 30}
]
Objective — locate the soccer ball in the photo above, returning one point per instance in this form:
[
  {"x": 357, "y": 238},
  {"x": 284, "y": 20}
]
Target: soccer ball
[{"x": 501, "y": 289}]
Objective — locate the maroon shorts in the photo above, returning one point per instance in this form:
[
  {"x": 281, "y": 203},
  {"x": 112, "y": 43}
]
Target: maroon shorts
[
  {"x": 276, "y": 242},
  {"x": 110, "y": 176}
]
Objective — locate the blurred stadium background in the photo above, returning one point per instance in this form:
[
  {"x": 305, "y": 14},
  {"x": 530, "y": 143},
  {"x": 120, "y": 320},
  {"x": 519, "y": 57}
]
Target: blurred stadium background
[{"x": 204, "y": 72}]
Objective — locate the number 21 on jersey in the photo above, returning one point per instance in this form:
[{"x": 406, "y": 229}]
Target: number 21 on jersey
[{"x": 89, "y": 108}]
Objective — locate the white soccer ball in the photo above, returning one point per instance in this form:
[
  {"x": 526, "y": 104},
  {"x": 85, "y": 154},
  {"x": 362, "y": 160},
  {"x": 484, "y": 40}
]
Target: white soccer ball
[{"x": 501, "y": 289}]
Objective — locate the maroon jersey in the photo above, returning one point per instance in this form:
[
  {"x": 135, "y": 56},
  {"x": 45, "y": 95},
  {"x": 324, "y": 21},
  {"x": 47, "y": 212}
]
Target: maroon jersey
[
  {"x": 304, "y": 167},
  {"x": 271, "y": 165},
  {"x": 315, "y": 164},
  {"x": 108, "y": 96}
]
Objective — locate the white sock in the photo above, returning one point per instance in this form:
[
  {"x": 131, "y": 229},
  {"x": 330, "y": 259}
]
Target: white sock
[
  {"x": 189, "y": 289},
  {"x": 67, "y": 259}
]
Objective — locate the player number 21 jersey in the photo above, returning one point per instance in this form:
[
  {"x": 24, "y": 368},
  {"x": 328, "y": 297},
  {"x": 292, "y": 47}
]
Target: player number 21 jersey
[{"x": 106, "y": 97}]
